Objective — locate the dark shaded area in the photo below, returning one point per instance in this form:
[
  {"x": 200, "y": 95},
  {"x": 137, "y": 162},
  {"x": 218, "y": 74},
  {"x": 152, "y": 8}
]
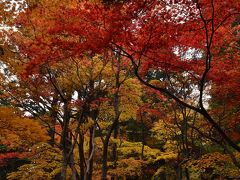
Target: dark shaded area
[
  {"x": 112, "y": 2},
  {"x": 1, "y": 51},
  {"x": 11, "y": 166}
]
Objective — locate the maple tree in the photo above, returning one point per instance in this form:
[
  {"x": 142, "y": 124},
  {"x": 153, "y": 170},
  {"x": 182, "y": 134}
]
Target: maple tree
[
  {"x": 75, "y": 66},
  {"x": 195, "y": 29}
]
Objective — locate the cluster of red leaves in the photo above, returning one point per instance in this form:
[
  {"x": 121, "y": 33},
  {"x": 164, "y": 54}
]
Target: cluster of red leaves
[
  {"x": 156, "y": 33},
  {"x": 147, "y": 30}
]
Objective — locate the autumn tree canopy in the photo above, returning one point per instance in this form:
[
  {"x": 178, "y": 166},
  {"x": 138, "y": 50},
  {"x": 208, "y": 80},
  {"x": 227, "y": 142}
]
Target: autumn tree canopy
[{"x": 97, "y": 73}]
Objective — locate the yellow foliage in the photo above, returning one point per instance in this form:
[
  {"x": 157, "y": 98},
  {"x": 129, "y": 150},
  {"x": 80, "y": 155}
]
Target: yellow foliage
[
  {"x": 20, "y": 131},
  {"x": 130, "y": 98},
  {"x": 163, "y": 131},
  {"x": 46, "y": 164},
  {"x": 128, "y": 167},
  {"x": 133, "y": 149},
  {"x": 212, "y": 164},
  {"x": 129, "y": 154}
]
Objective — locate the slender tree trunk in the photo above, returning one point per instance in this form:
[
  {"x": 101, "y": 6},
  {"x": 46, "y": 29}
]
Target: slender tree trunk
[
  {"x": 114, "y": 148},
  {"x": 104, "y": 160},
  {"x": 71, "y": 160},
  {"x": 185, "y": 131},
  {"x": 81, "y": 155},
  {"x": 115, "y": 124},
  {"x": 65, "y": 140},
  {"x": 65, "y": 158},
  {"x": 143, "y": 143},
  {"x": 91, "y": 153},
  {"x": 143, "y": 135},
  {"x": 53, "y": 116},
  {"x": 51, "y": 133},
  {"x": 89, "y": 169},
  {"x": 105, "y": 149},
  {"x": 116, "y": 103}
]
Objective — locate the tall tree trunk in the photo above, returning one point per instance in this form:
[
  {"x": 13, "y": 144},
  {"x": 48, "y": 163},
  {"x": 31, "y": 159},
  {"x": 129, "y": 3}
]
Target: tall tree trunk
[
  {"x": 115, "y": 124},
  {"x": 71, "y": 160},
  {"x": 143, "y": 136},
  {"x": 105, "y": 148},
  {"x": 89, "y": 169},
  {"x": 53, "y": 116},
  {"x": 104, "y": 160},
  {"x": 114, "y": 148},
  {"x": 51, "y": 132},
  {"x": 81, "y": 156},
  {"x": 116, "y": 103},
  {"x": 185, "y": 132},
  {"x": 65, "y": 140}
]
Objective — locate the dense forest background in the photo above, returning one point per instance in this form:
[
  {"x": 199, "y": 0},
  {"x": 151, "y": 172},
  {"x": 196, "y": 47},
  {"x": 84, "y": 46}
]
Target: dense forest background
[{"x": 133, "y": 89}]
